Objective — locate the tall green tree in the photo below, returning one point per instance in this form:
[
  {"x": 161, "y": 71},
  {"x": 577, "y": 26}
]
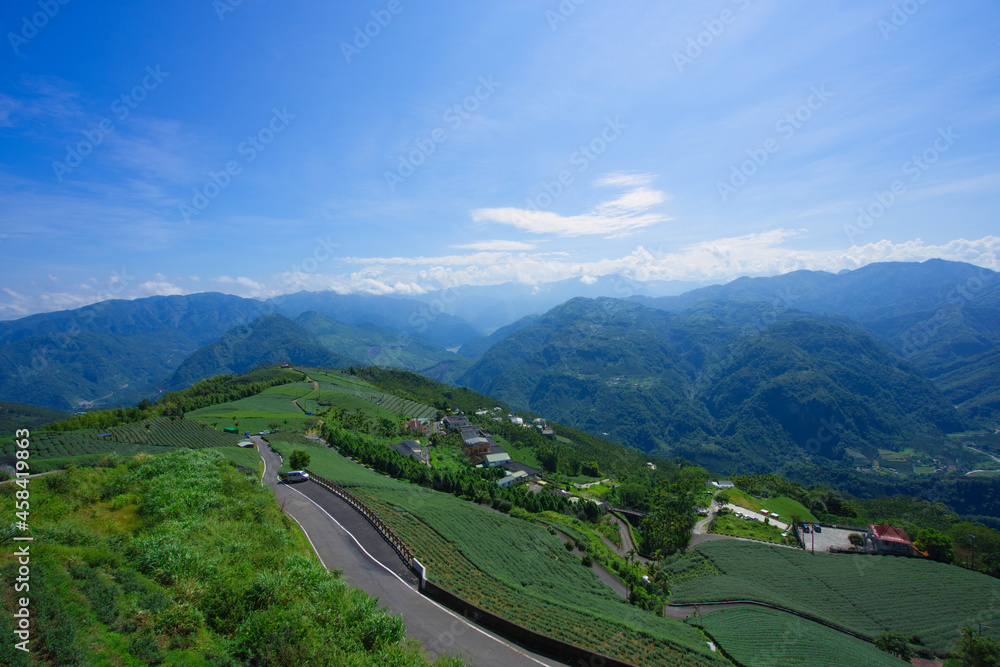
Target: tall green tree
[
  {"x": 937, "y": 545},
  {"x": 894, "y": 643},
  {"x": 975, "y": 650},
  {"x": 299, "y": 459}
]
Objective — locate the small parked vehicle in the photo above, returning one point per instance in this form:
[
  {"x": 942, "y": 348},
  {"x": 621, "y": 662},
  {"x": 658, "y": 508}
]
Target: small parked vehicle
[{"x": 296, "y": 476}]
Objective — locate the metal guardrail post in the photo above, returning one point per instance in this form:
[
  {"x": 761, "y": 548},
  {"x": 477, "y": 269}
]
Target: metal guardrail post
[{"x": 387, "y": 534}]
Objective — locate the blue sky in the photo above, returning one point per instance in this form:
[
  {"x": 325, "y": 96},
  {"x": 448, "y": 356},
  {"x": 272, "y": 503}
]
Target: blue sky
[{"x": 400, "y": 147}]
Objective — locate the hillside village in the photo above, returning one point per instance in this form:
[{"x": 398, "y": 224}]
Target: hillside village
[
  {"x": 479, "y": 446},
  {"x": 482, "y": 451}
]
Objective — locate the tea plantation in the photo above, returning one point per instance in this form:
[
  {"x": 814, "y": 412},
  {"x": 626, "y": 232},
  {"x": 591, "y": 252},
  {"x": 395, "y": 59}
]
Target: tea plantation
[
  {"x": 513, "y": 567},
  {"x": 760, "y": 637},
  {"x": 867, "y": 595}
]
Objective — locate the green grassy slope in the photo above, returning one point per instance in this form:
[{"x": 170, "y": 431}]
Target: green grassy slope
[{"x": 183, "y": 560}]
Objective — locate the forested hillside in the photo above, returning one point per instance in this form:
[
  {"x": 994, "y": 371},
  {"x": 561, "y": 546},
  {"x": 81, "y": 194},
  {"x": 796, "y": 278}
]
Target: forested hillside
[
  {"x": 719, "y": 383},
  {"x": 267, "y": 340}
]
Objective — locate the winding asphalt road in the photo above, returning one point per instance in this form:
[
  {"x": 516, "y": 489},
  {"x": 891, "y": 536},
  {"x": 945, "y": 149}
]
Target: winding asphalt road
[{"x": 344, "y": 540}]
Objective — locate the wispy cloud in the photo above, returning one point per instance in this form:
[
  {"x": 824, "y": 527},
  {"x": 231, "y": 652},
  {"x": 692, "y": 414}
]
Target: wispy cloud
[
  {"x": 498, "y": 245},
  {"x": 624, "y": 180},
  {"x": 718, "y": 260},
  {"x": 242, "y": 281},
  {"x": 617, "y": 217}
]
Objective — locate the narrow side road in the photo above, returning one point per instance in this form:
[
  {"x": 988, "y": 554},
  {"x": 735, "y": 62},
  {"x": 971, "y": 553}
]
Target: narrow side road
[{"x": 370, "y": 564}]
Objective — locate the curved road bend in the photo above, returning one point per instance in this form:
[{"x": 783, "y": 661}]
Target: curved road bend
[{"x": 370, "y": 564}]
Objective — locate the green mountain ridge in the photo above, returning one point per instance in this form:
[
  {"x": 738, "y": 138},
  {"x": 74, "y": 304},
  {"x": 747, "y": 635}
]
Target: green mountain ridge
[
  {"x": 373, "y": 344},
  {"x": 269, "y": 339},
  {"x": 696, "y": 384}
]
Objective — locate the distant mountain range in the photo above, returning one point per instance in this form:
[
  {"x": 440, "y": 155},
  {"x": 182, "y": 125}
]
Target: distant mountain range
[
  {"x": 698, "y": 384},
  {"x": 723, "y": 374},
  {"x": 120, "y": 351},
  {"x": 943, "y": 317}
]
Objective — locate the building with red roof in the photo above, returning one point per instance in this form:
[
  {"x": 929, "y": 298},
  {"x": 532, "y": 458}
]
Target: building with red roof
[{"x": 888, "y": 539}]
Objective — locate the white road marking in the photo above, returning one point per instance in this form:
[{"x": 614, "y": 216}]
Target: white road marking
[{"x": 402, "y": 581}]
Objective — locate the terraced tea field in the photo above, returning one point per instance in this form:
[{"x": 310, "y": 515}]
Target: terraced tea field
[
  {"x": 153, "y": 436},
  {"x": 867, "y": 595},
  {"x": 760, "y": 637},
  {"x": 514, "y": 568}
]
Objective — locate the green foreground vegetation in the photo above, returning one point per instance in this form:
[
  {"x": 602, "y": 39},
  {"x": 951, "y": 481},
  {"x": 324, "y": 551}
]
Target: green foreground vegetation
[
  {"x": 522, "y": 571},
  {"x": 183, "y": 560}
]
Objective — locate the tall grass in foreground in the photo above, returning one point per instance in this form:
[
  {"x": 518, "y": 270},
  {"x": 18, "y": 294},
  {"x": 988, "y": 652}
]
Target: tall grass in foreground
[{"x": 182, "y": 559}]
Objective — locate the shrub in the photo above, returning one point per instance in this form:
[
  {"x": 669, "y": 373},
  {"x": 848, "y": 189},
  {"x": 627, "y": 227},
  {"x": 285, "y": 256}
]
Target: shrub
[
  {"x": 520, "y": 513},
  {"x": 299, "y": 460},
  {"x": 145, "y": 648},
  {"x": 179, "y": 620}
]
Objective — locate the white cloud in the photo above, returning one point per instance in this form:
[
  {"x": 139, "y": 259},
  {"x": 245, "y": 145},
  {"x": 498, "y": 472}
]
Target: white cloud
[
  {"x": 546, "y": 222},
  {"x": 242, "y": 281},
  {"x": 719, "y": 260},
  {"x": 498, "y": 245},
  {"x": 624, "y": 180},
  {"x": 617, "y": 217},
  {"x": 159, "y": 288}
]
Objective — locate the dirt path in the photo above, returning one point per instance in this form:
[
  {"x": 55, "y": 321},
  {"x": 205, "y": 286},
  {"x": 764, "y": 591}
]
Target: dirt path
[
  {"x": 627, "y": 543},
  {"x": 701, "y": 528},
  {"x": 602, "y": 572}
]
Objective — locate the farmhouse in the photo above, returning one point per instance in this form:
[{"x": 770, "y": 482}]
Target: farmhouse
[
  {"x": 477, "y": 446},
  {"x": 892, "y": 541},
  {"x": 494, "y": 460},
  {"x": 724, "y": 484},
  {"x": 425, "y": 426},
  {"x": 512, "y": 478},
  {"x": 514, "y": 466},
  {"x": 456, "y": 422},
  {"x": 413, "y": 449}
]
